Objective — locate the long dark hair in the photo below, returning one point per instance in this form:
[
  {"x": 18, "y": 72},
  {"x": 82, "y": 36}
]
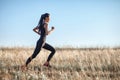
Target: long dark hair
[{"x": 43, "y": 16}]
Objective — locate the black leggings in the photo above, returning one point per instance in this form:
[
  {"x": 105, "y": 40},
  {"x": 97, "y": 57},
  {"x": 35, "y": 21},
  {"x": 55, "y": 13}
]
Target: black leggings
[{"x": 39, "y": 45}]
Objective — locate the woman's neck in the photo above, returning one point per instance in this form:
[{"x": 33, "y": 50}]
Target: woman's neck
[{"x": 45, "y": 22}]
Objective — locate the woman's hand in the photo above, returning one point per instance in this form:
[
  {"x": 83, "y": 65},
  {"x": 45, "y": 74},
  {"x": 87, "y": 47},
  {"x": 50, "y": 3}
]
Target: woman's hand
[{"x": 52, "y": 28}]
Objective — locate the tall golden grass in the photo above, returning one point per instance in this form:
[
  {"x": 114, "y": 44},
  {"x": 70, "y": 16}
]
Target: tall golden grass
[{"x": 67, "y": 64}]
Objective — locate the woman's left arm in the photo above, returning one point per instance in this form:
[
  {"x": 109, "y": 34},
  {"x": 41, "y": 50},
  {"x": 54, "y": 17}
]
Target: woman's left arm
[{"x": 36, "y": 29}]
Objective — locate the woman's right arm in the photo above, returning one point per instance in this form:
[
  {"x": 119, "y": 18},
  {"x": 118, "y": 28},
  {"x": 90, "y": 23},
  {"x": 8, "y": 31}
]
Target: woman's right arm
[
  {"x": 46, "y": 29},
  {"x": 36, "y": 30}
]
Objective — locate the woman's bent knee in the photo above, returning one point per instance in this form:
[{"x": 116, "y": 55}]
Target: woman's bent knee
[{"x": 53, "y": 51}]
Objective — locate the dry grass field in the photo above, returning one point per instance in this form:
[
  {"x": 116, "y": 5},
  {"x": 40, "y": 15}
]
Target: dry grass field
[{"x": 67, "y": 64}]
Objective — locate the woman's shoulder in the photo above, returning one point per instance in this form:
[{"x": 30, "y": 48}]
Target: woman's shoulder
[{"x": 45, "y": 24}]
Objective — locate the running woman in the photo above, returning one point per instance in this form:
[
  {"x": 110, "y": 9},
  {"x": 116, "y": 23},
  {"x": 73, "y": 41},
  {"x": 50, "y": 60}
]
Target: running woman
[{"x": 42, "y": 30}]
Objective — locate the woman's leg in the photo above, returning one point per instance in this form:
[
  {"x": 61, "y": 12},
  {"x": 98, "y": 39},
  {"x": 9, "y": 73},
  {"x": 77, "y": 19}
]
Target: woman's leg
[
  {"x": 36, "y": 51},
  {"x": 50, "y": 48}
]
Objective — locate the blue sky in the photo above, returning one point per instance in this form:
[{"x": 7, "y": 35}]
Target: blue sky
[{"x": 78, "y": 23}]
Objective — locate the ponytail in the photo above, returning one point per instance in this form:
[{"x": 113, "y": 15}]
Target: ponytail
[{"x": 41, "y": 19}]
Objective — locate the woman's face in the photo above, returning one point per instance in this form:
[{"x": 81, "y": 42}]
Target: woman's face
[{"x": 47, "y": 19}]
